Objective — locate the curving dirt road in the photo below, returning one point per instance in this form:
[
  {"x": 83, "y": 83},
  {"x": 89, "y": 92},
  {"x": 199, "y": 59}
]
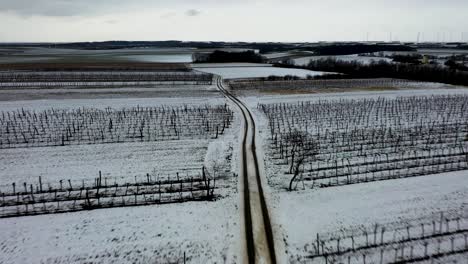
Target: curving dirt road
[{"x": 257, "y": 234}]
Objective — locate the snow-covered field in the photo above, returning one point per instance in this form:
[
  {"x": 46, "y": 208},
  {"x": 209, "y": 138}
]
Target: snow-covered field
[
  {"x": 171, "y": 93},
  {"x": 443, "y": 52},
  {"x": 302, "y": 214},
  {"x": 122, "y": 52},
  {"x": 22, "y": 59},
  {"x": 178, "y": 58},
  {"x": 206, "y": 232},
  {"x": 131, "y": 54},
  {"x": 228, "y": 65},
  {"x": 431, "y": 89},
  {"x": 439, "y": 53},
  {"x": 257, "y": 72},
  {"x": 275, "y": 171},
  {"x": 39, "y": 105},
  {"x": 203, "y": 232},
  {"x": 121, "y": 161},
  {"x": 143, "y": 54},
  {"x": 276, "y": 55}
]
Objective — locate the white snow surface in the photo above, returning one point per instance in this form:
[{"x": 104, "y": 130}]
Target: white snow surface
[
  {"x": 187, "y": 94},
  {"x": 276, "y": 55},
  {"x": 427, "y": 89},
  {"x": 256, "y": 72},
  {"x": 39, "y": 105},
  {"x": 119, "y": 161},
  {"x": 302, "y": 214},
  {"x": 206, "y": 231},
  {"x": 175, "y": 58},
  {"x": 234, "y": 64}
]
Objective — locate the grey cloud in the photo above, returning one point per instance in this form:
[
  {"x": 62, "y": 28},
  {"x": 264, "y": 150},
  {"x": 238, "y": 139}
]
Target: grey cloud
[
  {"x": 70, "y": 7},
  {"x": 45, "y": 7},
  {"x": 90, "y": 7},
  {"x": 193, "y": 12},
  {"x": 112, "y": 21},
  {"x": 168, "y": 15}
]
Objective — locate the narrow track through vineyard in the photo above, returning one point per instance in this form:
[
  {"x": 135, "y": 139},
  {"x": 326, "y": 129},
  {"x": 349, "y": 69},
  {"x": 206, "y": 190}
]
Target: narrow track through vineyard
[{"x": 258, "y": 232}]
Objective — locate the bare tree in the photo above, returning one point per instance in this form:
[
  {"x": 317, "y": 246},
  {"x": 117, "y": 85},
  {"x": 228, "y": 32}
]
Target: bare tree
[{"x": 302, "y": 148}]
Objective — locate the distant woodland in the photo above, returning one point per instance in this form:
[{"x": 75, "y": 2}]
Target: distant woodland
[
  {"x": 223, "y": 56},
  {"x": 384, "y": 69}
]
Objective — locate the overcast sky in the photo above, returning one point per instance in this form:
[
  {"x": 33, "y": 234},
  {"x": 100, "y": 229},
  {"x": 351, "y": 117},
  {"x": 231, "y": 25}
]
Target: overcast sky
[{"x": 231, "y": 20}]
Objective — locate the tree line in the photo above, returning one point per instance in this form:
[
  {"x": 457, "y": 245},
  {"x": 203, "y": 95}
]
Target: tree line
[
  {"x": 346, "y": 49},
  {"x": 219, "y": 56},
  {"x": 384, "y": 69}
]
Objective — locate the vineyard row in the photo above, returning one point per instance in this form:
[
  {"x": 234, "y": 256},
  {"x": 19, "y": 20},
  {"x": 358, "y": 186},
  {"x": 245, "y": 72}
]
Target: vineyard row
[
  {"x": 24, "y": 128},
  {"x": 35, "y": 199}
]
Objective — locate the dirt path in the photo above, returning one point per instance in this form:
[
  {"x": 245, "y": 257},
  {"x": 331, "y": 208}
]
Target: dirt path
[{"x": 257, "y": 234}]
